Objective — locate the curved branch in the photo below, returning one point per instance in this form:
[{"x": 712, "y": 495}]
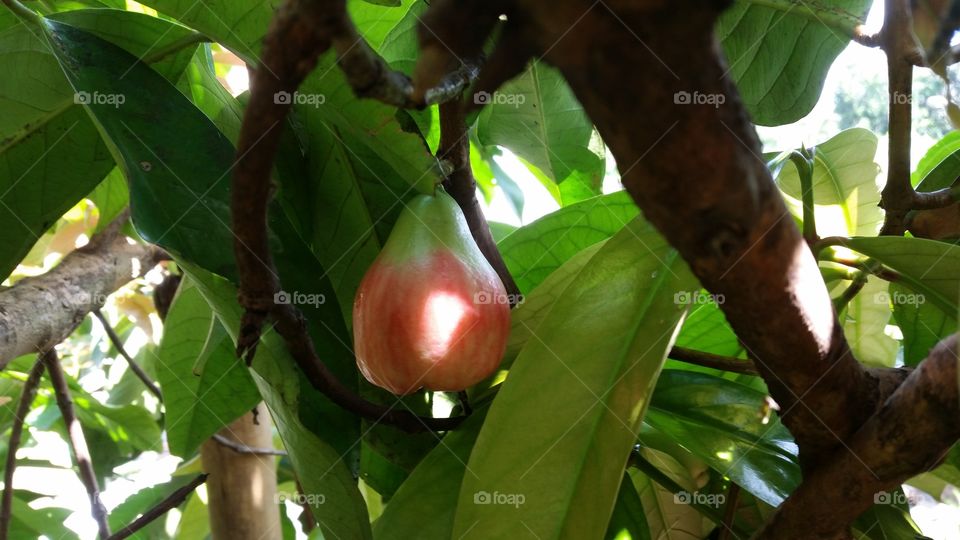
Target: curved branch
[
  {"x": 460, "y": 184},
  {"x": 118, "y": 344},
  {"x": 27, "y": 396},
  {"x": 244, "y": 449},
  {"x": 78, "y": 443},
  {"x": 715, "y": 361},
  {"x": 40, "y": 312},
  {"x": 171, "y": 501}
]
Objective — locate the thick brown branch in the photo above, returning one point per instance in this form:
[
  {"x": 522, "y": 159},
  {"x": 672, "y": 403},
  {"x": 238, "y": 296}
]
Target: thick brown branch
[
  {"x": 172, "y": 501},
  {"x": 134, "y": 367},
  {"x": 27, "y": 395},
  {"x": 39, "y": 312},
  {"x": 300, "y": 32},
  {"x": 460, "y": 184},
  {"x": 78, "y": 443},
  {"x": 910, "y": 434}
]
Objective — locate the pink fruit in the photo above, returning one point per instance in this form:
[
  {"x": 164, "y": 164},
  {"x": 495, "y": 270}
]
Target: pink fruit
[{"x": 430, "y": 312}]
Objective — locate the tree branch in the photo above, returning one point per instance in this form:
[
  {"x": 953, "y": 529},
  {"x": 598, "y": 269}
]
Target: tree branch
[
  {"x": 455, "y": 149},
  {"x": 910, "y": 434},
  {"x": 118, "y": 344},
  {"x": 27, "y": 396},
  {"x": 244, "y": 449},
  {"x": 172, "y": 501},
  {"x": 78, "y": 444},
  {"x": 39, "y": 312},
  {"x": 705, "y": 359}
]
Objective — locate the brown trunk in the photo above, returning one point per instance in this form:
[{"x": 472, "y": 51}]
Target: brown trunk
[{"x": 242, "y": 487}]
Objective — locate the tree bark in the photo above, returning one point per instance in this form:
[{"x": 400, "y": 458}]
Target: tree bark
[
  {"x": 242, "y": 487},
  {"x": 40, "y": 312}
]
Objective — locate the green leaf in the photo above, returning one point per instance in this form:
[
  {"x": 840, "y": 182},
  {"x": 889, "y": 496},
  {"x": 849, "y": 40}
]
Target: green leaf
[
  {"x": 844, "y": 177},
  {"x": 27, "y": 522},
  {"x": 926, "y": 266},
  {"x": 779, "y": 53},
  {"x": 111, "y": 196},
  {"x": 323, "y": 469},
  {"x": 576, "y": 395},
  {"x": 940, "y": 165},
  {"x": 667, "y": 519},
  {"x": 534, "y": 251},
  {"x": 727, "y": 425},
  {"x": 199, "y": 403},
  {"x": 628, "y": 521},
  {"x": 50, "y": 153},
  {"x": 538, "y": 118},
  {"x": 887, "y": 521},
  {"x": 706, "y": 329},
  {"x": 432, "y": 488},
  {"x": 141, "y": 501},
  {"x": 238, "y": 25}
]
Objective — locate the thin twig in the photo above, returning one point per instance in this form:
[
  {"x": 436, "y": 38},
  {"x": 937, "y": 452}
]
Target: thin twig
[
  {"x": 244, "y": 449},
  {"x": 460, "y": 184},
  {"x": 27, "y": 396},
  {"x": 118, "y": 344},
  {"x": 715, "y": 361},
  {"x": 78, "y": 443},
  {"x": 173, "y": 500}
]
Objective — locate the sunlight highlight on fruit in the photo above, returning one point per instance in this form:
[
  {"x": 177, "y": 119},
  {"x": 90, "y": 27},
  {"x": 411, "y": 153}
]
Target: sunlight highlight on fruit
[{"x": 442, "y": 314}]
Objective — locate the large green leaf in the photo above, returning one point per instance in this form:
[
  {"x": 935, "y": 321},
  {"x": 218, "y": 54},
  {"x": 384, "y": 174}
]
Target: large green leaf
[
  {"x": 726, "y": 425},
  {"x": 667, "y": 519},
  {"x": 199, "y": 400},
  {"x": 538, "y": 118},
  {"x": 575, "y": 397},
  {"x": 50, "y": 153},
  {"x": 779, "y": 52},
  {"x": 628, "y": 520},
  {"x": 533, "y": 251}
]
